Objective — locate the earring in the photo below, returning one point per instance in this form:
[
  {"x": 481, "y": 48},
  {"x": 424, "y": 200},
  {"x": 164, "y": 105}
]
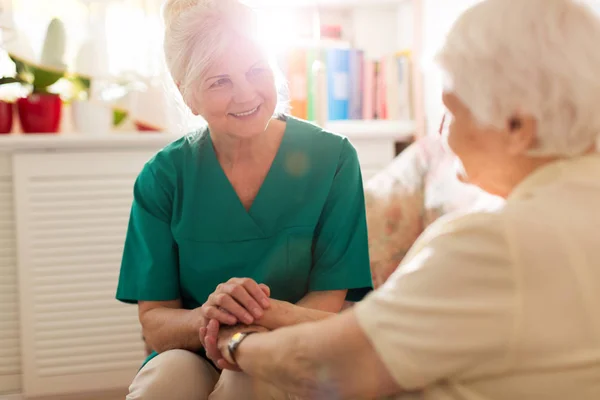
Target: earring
[{"x": 514, "y": 124}]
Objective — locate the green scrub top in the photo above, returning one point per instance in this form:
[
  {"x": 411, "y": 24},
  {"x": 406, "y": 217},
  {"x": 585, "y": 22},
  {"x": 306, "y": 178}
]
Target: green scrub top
[{"x": 305, "y": 231}]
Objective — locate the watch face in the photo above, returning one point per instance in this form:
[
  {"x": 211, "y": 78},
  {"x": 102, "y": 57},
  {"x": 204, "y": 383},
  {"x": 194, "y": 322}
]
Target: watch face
[
  {"x": 236, "y": 339},
  {"x": 237, "y": 336}
]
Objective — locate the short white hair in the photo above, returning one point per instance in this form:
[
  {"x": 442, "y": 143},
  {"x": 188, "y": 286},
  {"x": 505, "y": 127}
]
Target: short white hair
[
  {"x": 199, "y": 32},
  {"x": 533, "y": 57}
]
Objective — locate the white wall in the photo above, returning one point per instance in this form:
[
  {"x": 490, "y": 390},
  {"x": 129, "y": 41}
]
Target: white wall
[{"x": 438, "y": 16}]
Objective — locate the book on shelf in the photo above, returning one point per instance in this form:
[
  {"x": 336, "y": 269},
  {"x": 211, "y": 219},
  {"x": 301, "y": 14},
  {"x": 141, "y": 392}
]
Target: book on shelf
[
  {"x": 298, "y": 81},
  {"x": 331, "y": 81}
]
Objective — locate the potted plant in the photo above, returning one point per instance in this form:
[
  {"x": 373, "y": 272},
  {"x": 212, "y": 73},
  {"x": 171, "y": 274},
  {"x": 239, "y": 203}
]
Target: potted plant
[
  {"x": 6, "y": 108},
  {"x": 92, "y": 114},
  {"x": 40, "y": 111}
]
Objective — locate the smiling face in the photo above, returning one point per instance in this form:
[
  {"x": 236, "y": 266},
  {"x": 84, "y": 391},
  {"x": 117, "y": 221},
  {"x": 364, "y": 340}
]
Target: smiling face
[{"x": 237, "y": 95}]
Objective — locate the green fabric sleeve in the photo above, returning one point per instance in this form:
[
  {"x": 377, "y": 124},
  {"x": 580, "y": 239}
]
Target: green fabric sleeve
[
  {"x": 341, "y": 250},
  {"x": 149, "y": 267}
]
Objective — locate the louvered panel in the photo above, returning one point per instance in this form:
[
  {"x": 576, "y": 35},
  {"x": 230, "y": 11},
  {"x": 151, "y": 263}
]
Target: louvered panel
[
  {"x": 10, "y": 350},
  {"x": 72, "y": 214}
]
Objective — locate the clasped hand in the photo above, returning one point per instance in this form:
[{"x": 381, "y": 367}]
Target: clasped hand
[{"x": 237, "y": 301}]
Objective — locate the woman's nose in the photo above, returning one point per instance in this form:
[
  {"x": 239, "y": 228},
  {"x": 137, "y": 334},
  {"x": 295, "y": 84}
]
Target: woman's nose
[{"x": 244, "y": 92}]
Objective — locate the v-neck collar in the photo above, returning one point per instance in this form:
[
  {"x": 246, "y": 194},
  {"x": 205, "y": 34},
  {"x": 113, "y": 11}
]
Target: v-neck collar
[{"x": 254, "y": 216}]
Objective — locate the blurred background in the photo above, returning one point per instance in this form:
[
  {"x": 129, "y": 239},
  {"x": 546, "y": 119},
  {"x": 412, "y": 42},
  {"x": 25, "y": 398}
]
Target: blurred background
[
  {"x": 109, "y": 53},
  {"x": 85, "y": 100}
]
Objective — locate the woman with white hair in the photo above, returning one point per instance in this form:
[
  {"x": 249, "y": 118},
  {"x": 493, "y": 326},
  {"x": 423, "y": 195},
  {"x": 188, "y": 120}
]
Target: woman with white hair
[
  {"x": 412, "y": 192},
  {"x": 494, "y": 305},
  {"x": 258, "y": 209}
]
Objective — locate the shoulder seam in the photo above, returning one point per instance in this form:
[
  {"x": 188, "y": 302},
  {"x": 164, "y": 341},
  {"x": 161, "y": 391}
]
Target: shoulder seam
[
  {"x": 344, "y": 142},
  {"x": 151, "y": 169}
]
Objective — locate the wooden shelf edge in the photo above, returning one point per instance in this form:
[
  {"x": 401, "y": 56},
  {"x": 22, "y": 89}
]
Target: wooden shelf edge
[
  {"x": 353, "y": 129},
  {"x": 374, "y": 129},
  {"x": 112, "y": 140}
]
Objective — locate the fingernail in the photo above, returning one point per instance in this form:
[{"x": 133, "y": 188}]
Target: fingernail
[
  {"x": 265, "y": 303},
  {"x": 257, "y": 312},
  {"x": 248, "y": 318}
]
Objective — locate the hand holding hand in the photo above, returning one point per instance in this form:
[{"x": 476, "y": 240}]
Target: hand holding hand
[
  {"x": 239, "y": 300},
  {"x": 215, "y": 339}
]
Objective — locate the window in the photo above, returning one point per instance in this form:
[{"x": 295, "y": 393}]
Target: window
[{"x": 131, "y": 33}]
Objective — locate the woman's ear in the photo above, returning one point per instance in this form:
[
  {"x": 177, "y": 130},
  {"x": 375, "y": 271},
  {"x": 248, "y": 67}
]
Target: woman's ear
[
  {"x": 521, "y": 134},
  {"x": 193, "y": 105},
  {"x": 514, "y": 124}
]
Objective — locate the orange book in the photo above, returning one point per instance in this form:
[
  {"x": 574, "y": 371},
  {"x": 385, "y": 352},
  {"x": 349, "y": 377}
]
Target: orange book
[{"x": 298, "y": 82}]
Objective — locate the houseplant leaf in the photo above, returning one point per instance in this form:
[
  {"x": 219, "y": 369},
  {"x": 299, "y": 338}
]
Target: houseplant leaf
[
  {"x": 43, "y": 78},
  {"x": 53, "y": 52},
  {"x": 7, "y": 79},
  {"x": 23, "y": 70},
  {"x": 119, "y": 116}
]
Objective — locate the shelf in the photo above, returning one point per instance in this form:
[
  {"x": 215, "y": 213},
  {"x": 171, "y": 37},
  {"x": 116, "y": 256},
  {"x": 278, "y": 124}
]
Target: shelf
[
  {"x": 353, "y": 129},
  {"x": 74, "y": 141},
  {"x": 321, "y": 3},
  {"x": 375, "y": 129}
]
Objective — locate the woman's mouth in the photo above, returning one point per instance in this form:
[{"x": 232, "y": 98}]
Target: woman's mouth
[{"x": 246, "y": 113}]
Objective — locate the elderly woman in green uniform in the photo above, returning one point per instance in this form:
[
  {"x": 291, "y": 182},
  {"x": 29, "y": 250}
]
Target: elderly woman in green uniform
[{"x": 256, "y": 210}]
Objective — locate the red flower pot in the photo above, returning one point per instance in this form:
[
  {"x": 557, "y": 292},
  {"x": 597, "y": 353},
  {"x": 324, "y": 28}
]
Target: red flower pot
[
  {"x": 145, "y": 127},
  {"x": 40, "y": 113},
  {"x": 6, "y": 117}
]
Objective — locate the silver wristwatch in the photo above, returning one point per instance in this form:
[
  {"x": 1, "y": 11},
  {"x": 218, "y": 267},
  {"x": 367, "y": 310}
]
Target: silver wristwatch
[{"x": 235, "y": 342}]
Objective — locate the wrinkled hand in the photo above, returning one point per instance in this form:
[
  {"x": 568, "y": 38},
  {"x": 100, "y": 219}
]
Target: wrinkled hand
[
  {"x": 239, "y": 300},
  {"x": 215, "y": 339}
]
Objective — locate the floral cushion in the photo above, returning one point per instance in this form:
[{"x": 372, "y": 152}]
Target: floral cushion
[{"x": 417, "y": 188}]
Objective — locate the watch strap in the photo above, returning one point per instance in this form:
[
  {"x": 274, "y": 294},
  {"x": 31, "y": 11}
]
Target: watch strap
[{"x": 235, "y": 342}]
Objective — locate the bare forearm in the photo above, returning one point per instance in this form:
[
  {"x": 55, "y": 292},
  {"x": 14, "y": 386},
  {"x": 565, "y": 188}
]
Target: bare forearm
[
  {"x": 314, "y": 306},
  {"x": 278, "y": 357},
  {"x": 168, "y": 329},
  {"x": 282, "y": 313},
  {"x": 324, "y": 366}
]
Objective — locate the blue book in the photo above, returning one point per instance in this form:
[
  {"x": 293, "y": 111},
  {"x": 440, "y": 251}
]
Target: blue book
[{"x": 338, "y": 83}]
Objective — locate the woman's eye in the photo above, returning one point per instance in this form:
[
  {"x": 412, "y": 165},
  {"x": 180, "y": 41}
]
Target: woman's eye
[
  {"x": 257, "y": 71},
  {"x": 220, "y": 82}
]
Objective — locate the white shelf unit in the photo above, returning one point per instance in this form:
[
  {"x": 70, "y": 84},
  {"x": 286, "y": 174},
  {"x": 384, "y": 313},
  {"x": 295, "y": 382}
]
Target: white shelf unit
[
  {"x": 379, "y": 27},
  {"x": 402, "y": 131}
]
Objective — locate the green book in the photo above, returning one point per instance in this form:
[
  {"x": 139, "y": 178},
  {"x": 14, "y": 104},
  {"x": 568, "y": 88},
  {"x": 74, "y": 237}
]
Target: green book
[{"x": 311, "y": 58}]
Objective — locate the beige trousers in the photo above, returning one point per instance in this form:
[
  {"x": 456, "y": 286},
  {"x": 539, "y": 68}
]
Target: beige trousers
[{"x": 183, "y": 375}]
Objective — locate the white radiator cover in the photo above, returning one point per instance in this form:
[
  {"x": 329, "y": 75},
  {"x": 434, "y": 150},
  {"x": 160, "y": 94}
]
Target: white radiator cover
[
  {"x": 72, "y": 211},
  {"x": 10, "y": 351}
]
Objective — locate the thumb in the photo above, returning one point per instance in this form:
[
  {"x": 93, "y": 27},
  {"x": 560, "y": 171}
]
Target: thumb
[{"x": 266, "y": 290}]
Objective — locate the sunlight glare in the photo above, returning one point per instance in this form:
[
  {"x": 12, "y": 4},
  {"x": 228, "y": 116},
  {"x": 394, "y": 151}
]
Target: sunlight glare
[{"x": 281, "y": 29}]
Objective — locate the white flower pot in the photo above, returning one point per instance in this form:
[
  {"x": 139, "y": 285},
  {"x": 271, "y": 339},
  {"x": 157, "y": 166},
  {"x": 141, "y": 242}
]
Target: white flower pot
[{"x": 92, "y": 117}]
